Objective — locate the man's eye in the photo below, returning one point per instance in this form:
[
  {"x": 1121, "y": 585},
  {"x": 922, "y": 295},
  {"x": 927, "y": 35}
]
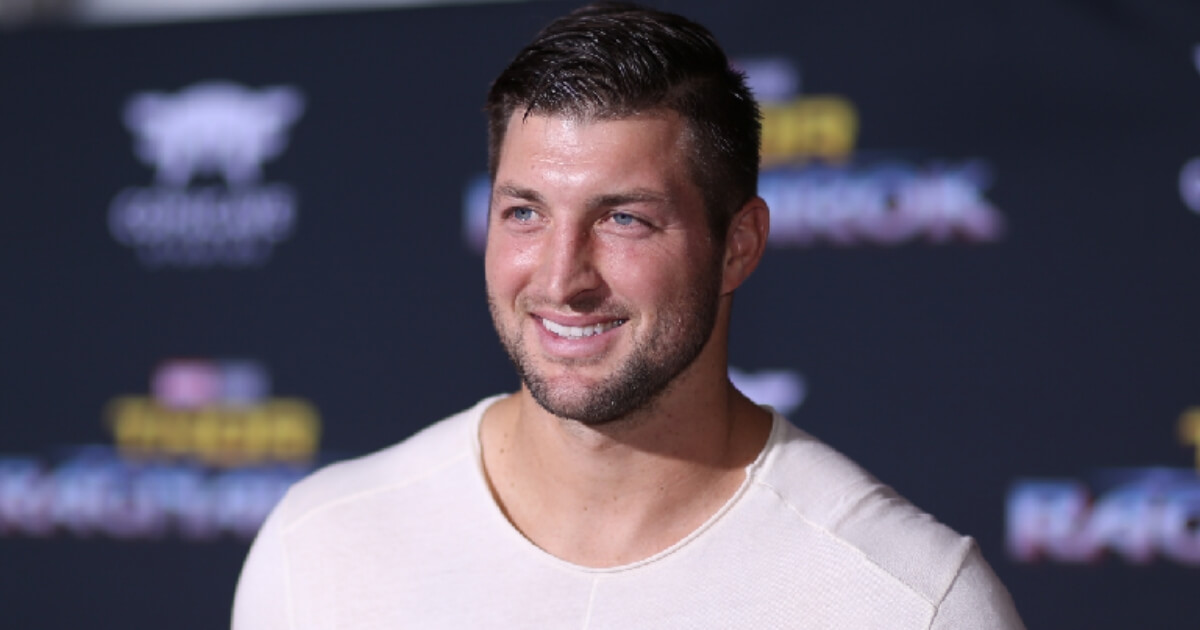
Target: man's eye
[
  {"x": 521, "y": 214},
  {"x": 620, "y": 218}
]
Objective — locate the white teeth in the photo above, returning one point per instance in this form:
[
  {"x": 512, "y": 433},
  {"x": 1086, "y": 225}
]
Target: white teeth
[{"x": 578, "y": 332}]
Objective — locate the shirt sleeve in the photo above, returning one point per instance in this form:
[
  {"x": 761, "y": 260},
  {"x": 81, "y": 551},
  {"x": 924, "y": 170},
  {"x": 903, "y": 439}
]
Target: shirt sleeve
[
  {"x": 976, "y": 600},
  {"x": 262, "y": 600}
]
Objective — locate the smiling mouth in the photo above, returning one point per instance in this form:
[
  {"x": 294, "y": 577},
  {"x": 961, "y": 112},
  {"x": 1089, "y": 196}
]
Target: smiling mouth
[{"x": 579, "y": 332}]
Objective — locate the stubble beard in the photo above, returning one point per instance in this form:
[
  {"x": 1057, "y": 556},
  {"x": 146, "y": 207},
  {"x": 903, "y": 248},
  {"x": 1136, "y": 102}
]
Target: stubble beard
[{"x": 679, "y": 336}]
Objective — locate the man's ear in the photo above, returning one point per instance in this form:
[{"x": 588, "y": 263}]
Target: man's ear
[{"x": 744, "y": 243}]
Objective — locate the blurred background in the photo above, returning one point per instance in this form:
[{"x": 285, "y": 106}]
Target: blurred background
[{"x": 240, "y": 240}]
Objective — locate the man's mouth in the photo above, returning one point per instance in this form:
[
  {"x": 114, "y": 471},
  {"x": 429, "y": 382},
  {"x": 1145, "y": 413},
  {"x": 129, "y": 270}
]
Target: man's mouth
[{"x": 579, "y": 332}]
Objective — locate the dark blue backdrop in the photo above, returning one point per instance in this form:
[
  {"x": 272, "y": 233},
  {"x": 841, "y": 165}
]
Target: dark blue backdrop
[{"x": 985, "y": 274}]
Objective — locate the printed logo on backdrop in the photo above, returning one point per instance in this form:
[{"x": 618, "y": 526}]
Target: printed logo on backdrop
[
  {"x": 822, "y": 190},
  {"x": 208, "y": 204},
  {"x": 1137, "y": 515},
  {"x": 783, "y": 390},
  {"x": 1189, "y": 176},
  {"x": 206, "y": 454}
]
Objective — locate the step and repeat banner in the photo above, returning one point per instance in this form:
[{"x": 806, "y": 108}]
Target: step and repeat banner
[{"x": 231, "y": 252}]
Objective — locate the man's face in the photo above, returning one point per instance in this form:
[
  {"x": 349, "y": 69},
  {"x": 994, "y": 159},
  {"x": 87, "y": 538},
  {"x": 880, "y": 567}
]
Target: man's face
[{"x": 603, "y": 278}]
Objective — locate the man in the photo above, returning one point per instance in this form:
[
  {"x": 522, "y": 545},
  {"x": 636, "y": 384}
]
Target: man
[{"x": 627, "y": 484}]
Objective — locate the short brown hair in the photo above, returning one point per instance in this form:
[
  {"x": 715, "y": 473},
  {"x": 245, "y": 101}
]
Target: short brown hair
[{"x": 613, "y": 60}]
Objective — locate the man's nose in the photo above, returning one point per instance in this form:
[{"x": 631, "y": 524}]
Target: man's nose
[{"x": 568, "y": 267}]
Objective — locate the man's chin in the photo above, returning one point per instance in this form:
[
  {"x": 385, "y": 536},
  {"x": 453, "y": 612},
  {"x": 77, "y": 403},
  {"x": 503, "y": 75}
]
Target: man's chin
[
  {"x": 592, "y": 415},
  {"x": 559, "y": 399},
  {"x": 589, "y": 404}
]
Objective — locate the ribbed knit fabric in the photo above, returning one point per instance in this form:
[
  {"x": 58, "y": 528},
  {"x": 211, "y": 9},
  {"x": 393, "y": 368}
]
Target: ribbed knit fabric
[{"x": 410, "y": 537}]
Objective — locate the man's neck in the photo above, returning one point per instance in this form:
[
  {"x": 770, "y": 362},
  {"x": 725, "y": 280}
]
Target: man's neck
[{"x": 618, "y": 493}]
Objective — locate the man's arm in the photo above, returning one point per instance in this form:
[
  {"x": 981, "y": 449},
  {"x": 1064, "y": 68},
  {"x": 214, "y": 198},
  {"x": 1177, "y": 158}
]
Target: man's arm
[
  {"x": 976, "y": 600},
  {"x": 262, "y": 599}
]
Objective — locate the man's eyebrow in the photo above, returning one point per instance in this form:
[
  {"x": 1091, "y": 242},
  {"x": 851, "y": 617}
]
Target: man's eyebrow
[
  {"x": 518, "y": 192},
  {"x": 610, "y": 200},
  {"x": 639, "y": 195}
]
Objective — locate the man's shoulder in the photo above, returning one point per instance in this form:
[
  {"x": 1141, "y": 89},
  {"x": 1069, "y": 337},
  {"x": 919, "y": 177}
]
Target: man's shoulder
[
  {"x": 419, "y": 457},
  {"x": 835, "y": 495}
]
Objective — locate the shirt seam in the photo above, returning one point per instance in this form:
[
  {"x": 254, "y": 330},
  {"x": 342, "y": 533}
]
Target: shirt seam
[
  {"x": 360, "y": 494},
  {"x": 854, "y": 548},
  {"x": 587, "y": 618},
  {"x": 957, "y": 574}
]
